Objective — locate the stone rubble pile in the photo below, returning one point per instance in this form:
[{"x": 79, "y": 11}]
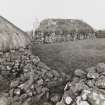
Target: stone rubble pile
[
  {"x": 31, "y": 82},
  {"x": 86, "y": 87},
  {"x": 30, "y": 79}
]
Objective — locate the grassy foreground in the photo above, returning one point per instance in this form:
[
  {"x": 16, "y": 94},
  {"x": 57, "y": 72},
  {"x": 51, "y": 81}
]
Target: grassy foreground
[{"x": 71, "y": 55}]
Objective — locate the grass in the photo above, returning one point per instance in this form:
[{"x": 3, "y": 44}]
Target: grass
[{"x": 71, "y": 55}]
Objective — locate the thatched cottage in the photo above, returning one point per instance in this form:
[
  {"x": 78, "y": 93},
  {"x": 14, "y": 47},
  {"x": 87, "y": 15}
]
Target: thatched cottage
[
  {"x": 11, "y": 37},
  {"x": 58, "y": 30}
]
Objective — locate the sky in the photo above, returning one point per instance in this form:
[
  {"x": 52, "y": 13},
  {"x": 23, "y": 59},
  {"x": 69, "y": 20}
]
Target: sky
[{"x": 28, "y": 13}]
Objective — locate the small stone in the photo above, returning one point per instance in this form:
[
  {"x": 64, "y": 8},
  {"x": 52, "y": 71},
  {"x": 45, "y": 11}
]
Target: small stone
[
  {"x": 40, "y": 82},
  {"x": 74, "y": 103},
  {"x": 80, "y": 102},
  {"x": 68, "y": 100},
  {"x": 36, "y": 60},
  {"x": 56, "y": 74},
  {"x": 3, "y": 101},
  {"x": 68, "y": 85},
  {"x": 16, "y": 98},
  {"x": 8, "y": 68},
  {"x": 103, "y": 73},
  {"x": 60, "y": 103},
  {"x": 27, "y": 75},
  {"x": 21, "y": 86},
  {"x": 17, "y": 62},
  {"x": 12, "y": 51},
  {"x": 25, "y": 70},
  {"x": 100, "y": 83},
  {"x": 78, "y": 87},
  {"x": 85, "y": 94},
  {"x": 36, "y": 77},
  {"x": 1, "y": 53},
  {"x": 47, "y": 95},
  {"x": 14, "y": 70},
  {"x": 92, "y": 75},
  {"x": 21, "y": 49},
  {"x": 91, "y": 83},
  {"x": 91, "y": 69},
  {"x": 5, "y": 73},
  {"x": 79, "y": 73},
  {"x": 23, "y": 97},
  {"x": 96, "y": 97},
  {"x": 29, "y": 93},
  {"x": 14, "y": 84},
  {"x": 50, "y": 75},
  {"x": 75, "y": 80},
  {"x": 17, "y": 91},
  {"x": 55, "y": 98},
  {"x": 11, "y": 92},
  {"x": 100, "y": 67},
  {"x": 27, "y": 102},
  {"x": 42, "y": 65},
  {"x": 46, "y": 103},
  {"x": 44, "y": 90},
  {"x": 39, "y": 90},
  {"x": 22, "y": 78}
]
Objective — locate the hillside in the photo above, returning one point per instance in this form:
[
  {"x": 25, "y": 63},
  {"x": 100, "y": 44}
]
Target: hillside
[{"x": 71, "y": 55}]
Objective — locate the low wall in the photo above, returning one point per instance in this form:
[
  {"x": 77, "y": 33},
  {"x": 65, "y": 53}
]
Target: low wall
[{"x": 53, "y": 38}]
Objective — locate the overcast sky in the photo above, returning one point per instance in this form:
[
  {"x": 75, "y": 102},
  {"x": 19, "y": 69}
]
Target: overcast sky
[{"x": 24, "y": 12}]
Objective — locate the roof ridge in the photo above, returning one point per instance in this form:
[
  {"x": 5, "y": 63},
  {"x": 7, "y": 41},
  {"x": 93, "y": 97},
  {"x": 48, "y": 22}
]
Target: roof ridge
[{"x": 12, "y": 24}]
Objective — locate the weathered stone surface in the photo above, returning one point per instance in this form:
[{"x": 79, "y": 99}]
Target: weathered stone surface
[
  {"x": 91, "y": 69},
  {"x": 96, "y": 98},
  {"x": 79, "y": 73},
  {"x": 29, "y": 77},
  {"x": 92, "y": 75},
  {"x": 90, "y": 83},
  {"x": 4, "y": 100},
  {"x": 14, "y": 84},
  {"x": 100, "y": 67},
  {"x": 60, "y": 103},
  {"x": 81, "y": 102},
  {"x": 55, "y": 98},
  {"x": 89, "y": 90},
  {"x": 100, "y": 83},
  {"x": 68, "y": 100}
]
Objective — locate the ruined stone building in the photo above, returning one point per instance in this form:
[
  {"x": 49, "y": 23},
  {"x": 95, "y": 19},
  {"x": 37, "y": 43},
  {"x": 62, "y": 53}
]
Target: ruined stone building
[{"x": 62, "y": 30}]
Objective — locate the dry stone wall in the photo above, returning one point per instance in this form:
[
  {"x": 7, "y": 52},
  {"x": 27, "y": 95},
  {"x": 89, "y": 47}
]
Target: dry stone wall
[
  {"x": 30, "y": 80},
  {"x": 52, "y": 37},
  {"x": 86, "y": 87}
]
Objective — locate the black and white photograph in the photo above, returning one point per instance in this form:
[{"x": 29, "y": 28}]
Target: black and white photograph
[{"x": 52, "y": 52}]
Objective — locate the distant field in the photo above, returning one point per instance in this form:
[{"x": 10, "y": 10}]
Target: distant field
[{"x": 71, "y": 55}]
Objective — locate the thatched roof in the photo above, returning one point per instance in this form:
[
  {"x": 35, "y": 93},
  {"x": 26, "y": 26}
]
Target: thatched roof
[
  {"x": 69, "y": 25},
  {"x": 11, "y": 37}
]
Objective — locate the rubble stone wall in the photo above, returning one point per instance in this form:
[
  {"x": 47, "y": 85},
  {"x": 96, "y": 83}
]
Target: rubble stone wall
[
  {"x": 86, "y": 87},
  {"x": 28, "y": 81},
  {"x": 52, "y": 37}
]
